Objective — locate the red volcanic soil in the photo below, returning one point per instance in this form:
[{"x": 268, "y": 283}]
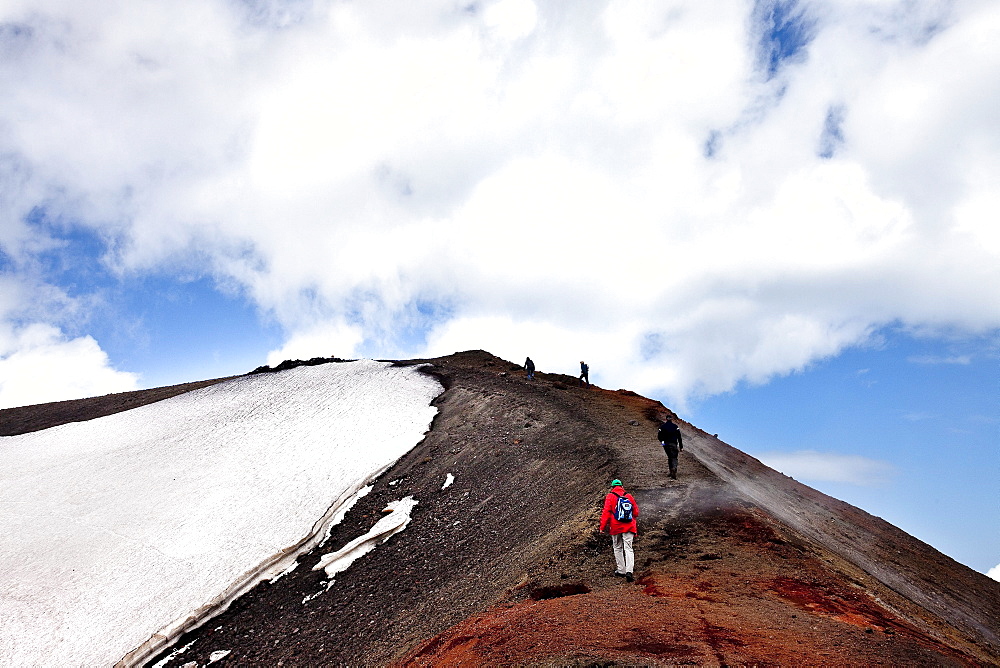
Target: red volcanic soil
[
  {"x": 723, "y": 585},
  {"x": 732, "y": 592},
  {"x": 735, "y": 563}
]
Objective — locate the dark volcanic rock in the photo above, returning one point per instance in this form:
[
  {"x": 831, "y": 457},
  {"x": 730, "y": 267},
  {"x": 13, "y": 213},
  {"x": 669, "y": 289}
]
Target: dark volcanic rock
[{"x": 291, "y": 364}]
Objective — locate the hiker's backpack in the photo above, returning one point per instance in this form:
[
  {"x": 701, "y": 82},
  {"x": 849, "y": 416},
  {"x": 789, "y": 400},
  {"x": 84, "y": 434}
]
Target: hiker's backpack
[{"x": 623, "y": 509}]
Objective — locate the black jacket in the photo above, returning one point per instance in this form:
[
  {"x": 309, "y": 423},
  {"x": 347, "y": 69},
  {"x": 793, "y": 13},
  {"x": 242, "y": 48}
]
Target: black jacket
[{"x": 670, "y": 433}]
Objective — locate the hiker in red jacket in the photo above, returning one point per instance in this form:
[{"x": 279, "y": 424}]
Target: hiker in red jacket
[{"x": 619, "y": 516}]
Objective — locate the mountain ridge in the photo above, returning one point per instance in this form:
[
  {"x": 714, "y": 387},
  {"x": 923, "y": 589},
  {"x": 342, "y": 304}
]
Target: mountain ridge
[{"x": 735, "y": 563}]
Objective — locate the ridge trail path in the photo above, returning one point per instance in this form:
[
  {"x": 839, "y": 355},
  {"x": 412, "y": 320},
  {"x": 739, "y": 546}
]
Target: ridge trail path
[{"x": 645, "y": 474}]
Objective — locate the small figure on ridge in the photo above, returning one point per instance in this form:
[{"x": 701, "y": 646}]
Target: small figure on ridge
[
  {"x": 584, "y": 374},
  {"x": 529, "y": 366}
]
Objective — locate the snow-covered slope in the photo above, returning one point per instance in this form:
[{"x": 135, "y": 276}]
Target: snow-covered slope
[{"x": 121, "y": 527}]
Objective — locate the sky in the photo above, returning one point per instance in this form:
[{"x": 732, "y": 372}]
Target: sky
[{"x": 778, "y": 217}]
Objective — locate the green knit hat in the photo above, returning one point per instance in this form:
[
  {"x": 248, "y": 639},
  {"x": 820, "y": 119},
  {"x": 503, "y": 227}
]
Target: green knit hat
[{"x": 616, "y": 483}]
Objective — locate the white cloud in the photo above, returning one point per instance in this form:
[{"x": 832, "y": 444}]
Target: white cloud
[
  {"x": 932, "y": 359},
  {"x": 326, "y": 340},
  {"x": 512, "y": 19},
  {"x": 618, "y": 182},
  {"x": 39, "y": 364},
  {"x": 994, "y": 572},
  {"x": 810, "y": 465}
]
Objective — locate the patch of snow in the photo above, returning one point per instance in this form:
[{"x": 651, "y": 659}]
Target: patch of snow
[
  {"x": 169, "y": 657},
  {"x": 326, "y": 588},
  {"x": 393, "y": 483},
  {"x": 384, "y": 529},
  {"x": 342, "y": 512},
  {"x": 288, "y": 569},
  {"x": 218, "y": 655},
  {"x": 447, "y": 481},
  {"x": 122, "y": 532}
]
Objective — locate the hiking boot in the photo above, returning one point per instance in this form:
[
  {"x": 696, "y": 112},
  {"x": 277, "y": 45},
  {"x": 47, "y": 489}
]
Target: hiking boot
[
  {"x": 628, "y": 576},
  {"x": 619, "y": 575}
]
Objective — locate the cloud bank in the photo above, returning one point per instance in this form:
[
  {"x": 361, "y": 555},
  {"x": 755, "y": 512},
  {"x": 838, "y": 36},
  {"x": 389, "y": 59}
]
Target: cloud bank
[
  {"x": 38, "y": 363},
  {"x": 687, "y": 195}
]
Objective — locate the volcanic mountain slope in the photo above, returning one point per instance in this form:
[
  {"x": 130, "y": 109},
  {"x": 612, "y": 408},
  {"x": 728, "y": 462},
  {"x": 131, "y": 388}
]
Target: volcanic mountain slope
[{"x": 735, "y": 563}]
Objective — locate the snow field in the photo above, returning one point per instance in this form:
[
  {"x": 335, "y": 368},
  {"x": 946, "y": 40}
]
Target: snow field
[
  {"x": 387, "y": 527},
  {"x": 122, "y": 527}
]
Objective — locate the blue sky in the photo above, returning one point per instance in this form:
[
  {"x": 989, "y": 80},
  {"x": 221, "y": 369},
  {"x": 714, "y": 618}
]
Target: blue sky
[
  {"x": 905, "y": 428},
  {"x": 776, "y": 217}
]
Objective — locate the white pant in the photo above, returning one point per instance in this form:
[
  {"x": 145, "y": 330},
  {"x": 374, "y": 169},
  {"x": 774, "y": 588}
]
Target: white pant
[{"x": 624, "y": 557}]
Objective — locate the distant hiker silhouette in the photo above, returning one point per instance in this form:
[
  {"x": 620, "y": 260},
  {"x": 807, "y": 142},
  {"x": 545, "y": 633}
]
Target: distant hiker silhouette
[
  {"x": 669, "y": 436},
  {"x": 529, "y": 366},
  {"x": 584, "y": 374},
  {"x": 619, "y": 516}
]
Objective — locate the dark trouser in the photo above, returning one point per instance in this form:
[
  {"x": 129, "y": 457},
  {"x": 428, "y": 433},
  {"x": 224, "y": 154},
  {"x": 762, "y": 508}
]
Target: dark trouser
[{"x": 672, "y": 450}]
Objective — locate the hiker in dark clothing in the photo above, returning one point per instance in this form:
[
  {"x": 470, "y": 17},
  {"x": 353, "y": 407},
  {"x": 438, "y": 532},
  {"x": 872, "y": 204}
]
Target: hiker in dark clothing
[
  {"x": 618, "y": 516},
  {"x": 669, "y": 435},
  {"x": 584, "y": 374},
  {"x": 529, "y": 366}
]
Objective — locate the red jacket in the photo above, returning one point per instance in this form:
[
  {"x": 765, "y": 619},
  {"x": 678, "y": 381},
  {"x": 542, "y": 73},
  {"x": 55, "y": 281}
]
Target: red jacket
[{"x": 608, "y": 514}]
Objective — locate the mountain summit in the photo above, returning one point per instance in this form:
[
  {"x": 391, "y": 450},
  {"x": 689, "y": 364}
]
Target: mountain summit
[{"x": 497, "y": 559}]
